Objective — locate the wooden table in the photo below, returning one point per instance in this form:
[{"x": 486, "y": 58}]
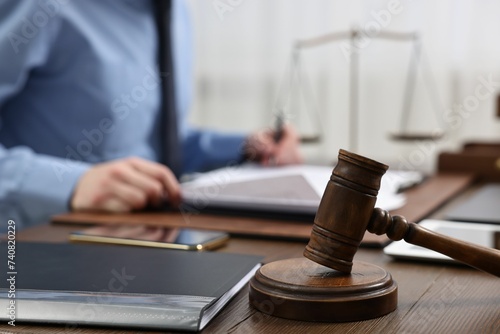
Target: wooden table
[{"x": 433, "y": 298}]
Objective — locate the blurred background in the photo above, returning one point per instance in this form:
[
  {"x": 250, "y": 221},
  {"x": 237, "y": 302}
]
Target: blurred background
[{"x": 243, "y": 73}]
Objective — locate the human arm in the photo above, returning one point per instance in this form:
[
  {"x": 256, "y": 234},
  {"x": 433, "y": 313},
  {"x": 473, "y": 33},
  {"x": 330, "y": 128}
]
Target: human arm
[
  {"x": 205, "y": 150},
  {"x": 34, "y": 186}
]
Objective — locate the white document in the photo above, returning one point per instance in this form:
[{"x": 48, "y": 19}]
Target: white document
[{"x": 289, "y": 189}]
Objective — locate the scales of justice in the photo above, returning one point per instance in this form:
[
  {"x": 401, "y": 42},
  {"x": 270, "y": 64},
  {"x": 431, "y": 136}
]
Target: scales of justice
[
  {"x": 296, "y": 84},
  {"x": 326, "y": 284}
]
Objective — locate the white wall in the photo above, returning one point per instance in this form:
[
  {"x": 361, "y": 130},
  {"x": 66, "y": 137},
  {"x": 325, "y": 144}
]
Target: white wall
[{"x": 242, "y": 55}]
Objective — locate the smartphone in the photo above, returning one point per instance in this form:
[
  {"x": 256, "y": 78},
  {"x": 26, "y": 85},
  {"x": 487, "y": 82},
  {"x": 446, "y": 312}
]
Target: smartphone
[{"x": 152, "y": 236}]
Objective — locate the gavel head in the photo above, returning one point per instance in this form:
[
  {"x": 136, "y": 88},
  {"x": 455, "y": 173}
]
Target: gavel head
[{"x": 344, "y": 211}]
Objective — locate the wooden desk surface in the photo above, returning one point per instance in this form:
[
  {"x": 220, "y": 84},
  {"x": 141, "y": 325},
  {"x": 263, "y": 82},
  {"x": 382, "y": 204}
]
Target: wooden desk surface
[{"x": 433, "y": 298}]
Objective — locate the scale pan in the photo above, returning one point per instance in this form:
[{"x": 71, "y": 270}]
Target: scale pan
[{"x": 411, "y": 136}]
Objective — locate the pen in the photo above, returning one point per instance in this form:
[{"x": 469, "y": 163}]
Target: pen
[{"x": 278, "y": 130}]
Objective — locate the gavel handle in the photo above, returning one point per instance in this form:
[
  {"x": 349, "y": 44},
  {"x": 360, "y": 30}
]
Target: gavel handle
[
  {"x": 397, "y": 228},
  {"x": 482, "y": 258}
]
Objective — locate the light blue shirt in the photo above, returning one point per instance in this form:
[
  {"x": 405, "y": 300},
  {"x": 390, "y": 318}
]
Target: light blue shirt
[{"x": 79, "y": 85}]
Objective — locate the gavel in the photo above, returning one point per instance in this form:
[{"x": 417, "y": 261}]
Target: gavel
[
  {"x": 325, "y": 285},
  {"x": 347, "y": 210}
]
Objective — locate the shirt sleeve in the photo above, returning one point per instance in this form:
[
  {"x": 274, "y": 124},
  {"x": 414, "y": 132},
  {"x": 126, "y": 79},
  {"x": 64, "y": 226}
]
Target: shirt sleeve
[
  {"x": 32, "y": 186},
  {"x": 206, "y": 150}
]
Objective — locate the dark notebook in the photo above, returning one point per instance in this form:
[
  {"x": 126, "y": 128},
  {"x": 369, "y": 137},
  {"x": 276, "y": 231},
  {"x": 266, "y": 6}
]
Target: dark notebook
[
  {"x": 482, "y": 207},
  {"x": 119, "y": 285}
]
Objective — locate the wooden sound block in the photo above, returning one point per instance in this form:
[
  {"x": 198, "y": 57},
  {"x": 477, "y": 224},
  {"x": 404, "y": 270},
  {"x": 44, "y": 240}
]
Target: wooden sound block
[{"x": 300, "y": 289}]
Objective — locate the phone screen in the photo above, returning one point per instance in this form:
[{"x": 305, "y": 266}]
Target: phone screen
[{"x": 153, "y": 236}]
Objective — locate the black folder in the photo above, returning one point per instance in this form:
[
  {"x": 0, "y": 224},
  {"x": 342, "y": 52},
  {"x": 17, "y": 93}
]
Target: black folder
[{"x": 119, "y": 285}]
